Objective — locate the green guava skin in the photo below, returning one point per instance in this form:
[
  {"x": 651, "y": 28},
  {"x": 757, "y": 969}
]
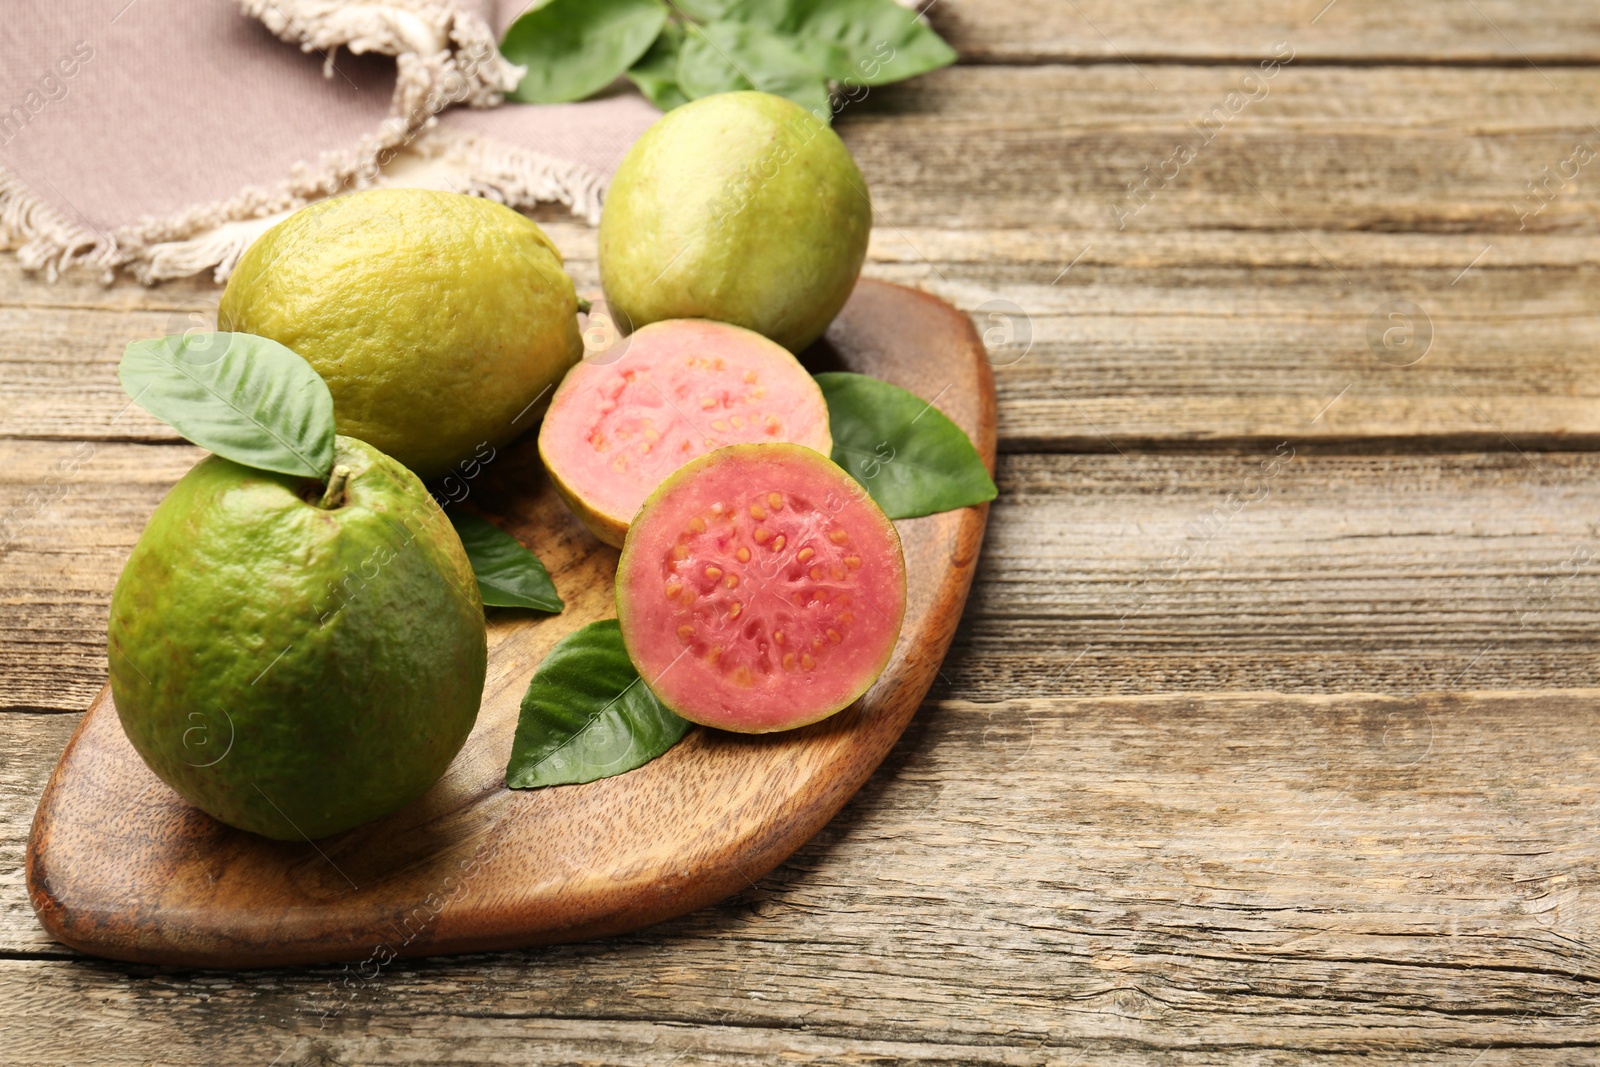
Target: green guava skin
[
  {"x": 295, "y": 671},
  {"x": 740, "y": 207},
  {"x": 438, "y": 320}
]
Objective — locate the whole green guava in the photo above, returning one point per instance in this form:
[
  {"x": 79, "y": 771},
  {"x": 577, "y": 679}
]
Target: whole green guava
[
  {"x": 293, "y": 659},
  {"x": 439, "y": 321},
  {"x": 740, "y": 207}
]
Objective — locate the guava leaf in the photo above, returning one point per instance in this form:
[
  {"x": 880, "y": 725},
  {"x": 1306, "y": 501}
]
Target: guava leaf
[
  {"x": 703, "y": 10},
  {"x": 857, "y": 42},
  {"x": 246, "y": 398},
  {"x": 656, "y": 73},
  {"x": 575, "y": 48},
  {"x": 910, "y": 457},
  {"x": 725, "y": 57},
  {"x": 588, "y": 715},
  {"x": 509, "y": 576}
]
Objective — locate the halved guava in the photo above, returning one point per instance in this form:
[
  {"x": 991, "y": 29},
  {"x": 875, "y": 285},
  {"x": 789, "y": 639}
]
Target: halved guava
[
  {"x": 679, "y": 389},
  {"x": 760, "y": 589}
]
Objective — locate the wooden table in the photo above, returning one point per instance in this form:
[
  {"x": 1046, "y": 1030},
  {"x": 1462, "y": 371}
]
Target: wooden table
[{"x": 1266, "y": 731}]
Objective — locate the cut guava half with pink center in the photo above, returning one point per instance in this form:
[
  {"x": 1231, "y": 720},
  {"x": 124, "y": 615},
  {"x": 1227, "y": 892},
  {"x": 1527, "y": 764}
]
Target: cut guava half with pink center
[
  {"x": 620, "y": 423},
  {"x": 760, "y": 589}
]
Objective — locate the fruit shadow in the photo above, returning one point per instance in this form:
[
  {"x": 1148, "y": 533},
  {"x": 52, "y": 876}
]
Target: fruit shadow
[{"x": 822, "y": 357}]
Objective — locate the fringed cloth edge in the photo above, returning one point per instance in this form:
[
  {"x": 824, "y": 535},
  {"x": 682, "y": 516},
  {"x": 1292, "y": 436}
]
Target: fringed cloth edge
[{"x": 443, "y": 56}]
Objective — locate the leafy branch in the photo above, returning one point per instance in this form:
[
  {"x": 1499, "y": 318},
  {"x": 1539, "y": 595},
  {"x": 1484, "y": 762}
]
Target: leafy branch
[{"x": 681, "y": 50}]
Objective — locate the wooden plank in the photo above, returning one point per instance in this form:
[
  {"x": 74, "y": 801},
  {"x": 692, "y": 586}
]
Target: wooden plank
[
  {"x": 31, "y": 747},
  {"x": 1222, "y": 316},
  {"x": 1286, "y": 570},
  {"x": 1421, "y": 31},
  {"x": 1154, "y": 343},
  {"x": 1344, "y": 573},
  {"x": 69, "y": 515},
  {"x": 1154, "y": 879},
  {"x": 1213, "y": 341},
  {"x": 1384, "y": 149}
]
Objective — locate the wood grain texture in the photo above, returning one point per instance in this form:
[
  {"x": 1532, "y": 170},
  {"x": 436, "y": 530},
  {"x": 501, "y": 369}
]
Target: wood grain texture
[
  {"x": 70, "y": 513},
  {"x": 1387, "y": 149},
  {"x": 32, "y": 744},
  {"x": 1172, "y": 880},
  {"x": 118, "y": 865},
  {"x": 1168, "y": 344},
  {"x": 1286, "y": 570},
  {"x": 1032, "y": 878},
  {"x": 1387, "y": 573},
  {"x": 1227, "y": 313},
  {"x": 1348, "y": 31},
  {"x": 1194, "y": 341}
]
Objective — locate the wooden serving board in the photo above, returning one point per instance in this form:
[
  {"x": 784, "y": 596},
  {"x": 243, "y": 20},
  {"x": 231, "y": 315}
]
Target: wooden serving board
[{"x": 118, "y": 865}]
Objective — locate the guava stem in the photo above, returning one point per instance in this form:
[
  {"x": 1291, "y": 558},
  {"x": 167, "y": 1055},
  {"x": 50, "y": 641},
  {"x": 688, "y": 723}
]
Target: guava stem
[
  {"x": 334, "y": 497},
  {"x": 584, "y": 306}
]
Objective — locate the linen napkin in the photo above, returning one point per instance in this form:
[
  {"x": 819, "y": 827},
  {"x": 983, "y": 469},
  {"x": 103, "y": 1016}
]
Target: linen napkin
[{"x": 160, "y": 137}]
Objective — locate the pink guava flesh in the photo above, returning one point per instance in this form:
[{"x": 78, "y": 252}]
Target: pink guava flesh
[
  {"x": 619, "y": 424},
  {"x": 760, "y": 589}
]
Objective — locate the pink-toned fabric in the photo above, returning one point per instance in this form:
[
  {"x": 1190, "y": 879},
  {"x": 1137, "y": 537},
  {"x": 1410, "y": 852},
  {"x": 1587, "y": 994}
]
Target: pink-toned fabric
[
  {"x": 111, "y": 110},
  {"x": 596, "y": 133}
]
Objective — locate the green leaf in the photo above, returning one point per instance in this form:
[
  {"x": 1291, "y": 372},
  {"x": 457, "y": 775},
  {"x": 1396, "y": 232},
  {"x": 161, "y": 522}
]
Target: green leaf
[
  {"x": 856, "y": 42},
  {"x": 246, "y": 398},
  {"x": 703, "y": 10},
  {"x": 909, "y": 456},
  {"x": 588, "y": 715},
  {"x": 575, "y": 48},
  {"x": 656, "y": 73},
  {"x": 509, "y": 576},
  {"x": 724, "y": 57}
]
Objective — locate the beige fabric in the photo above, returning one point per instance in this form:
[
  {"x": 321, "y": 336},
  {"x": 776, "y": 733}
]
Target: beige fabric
[{"x": 159, "y": 136}]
